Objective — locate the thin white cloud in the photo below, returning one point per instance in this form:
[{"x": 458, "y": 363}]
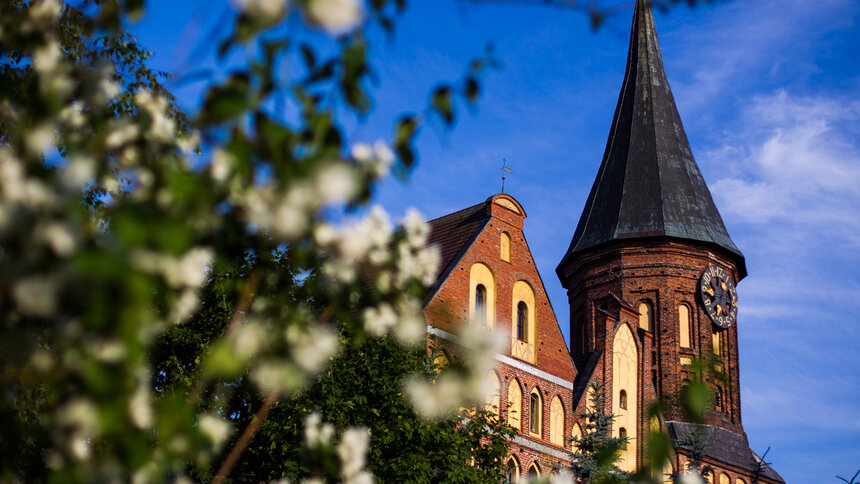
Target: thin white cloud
[{"x": 789, "y": 194}]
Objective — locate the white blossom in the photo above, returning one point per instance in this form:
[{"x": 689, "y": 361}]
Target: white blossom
[
  {"x": 379, "y": 157},
  {"x": 416, "y": 229},
  {"x": 335, "y": 16},
  {"x": 140, "y": 407},
  {"x": 276, "y": 375},
  {"x": 47, "y": 58},
  {"x": 190, "y": 269},
  {"x": 81, "y": 414},
  {"x": 215, "y": 428},
  {"x": 317, "y": 433},
  {"x": 185, "y": 305},
  {"x": 249, "y": 338},
  {"x": 45, "y": 12},
  {"x": 379, "y": 321},
  {"x": 335, "y": 184},
  {"x": 36, "y": 295},
  {"x": 221, "y": 166},
  {"x": 563, "y": 476},
  {"x": 352, "y": 451},
  {"x": 78, "y": 171},
  {"x": 312, "y": 348},
  {"x": 270, "y": 10},
  {"x": 691, "y": 477},
  {"x": 40, "y": 138},
  {"x": 121, "y": 134}
]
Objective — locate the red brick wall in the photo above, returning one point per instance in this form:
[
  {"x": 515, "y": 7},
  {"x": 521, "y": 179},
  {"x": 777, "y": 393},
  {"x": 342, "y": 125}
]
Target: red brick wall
[
  {"x": 449, "y": 308},
  {"x": 667, "y": 274}
]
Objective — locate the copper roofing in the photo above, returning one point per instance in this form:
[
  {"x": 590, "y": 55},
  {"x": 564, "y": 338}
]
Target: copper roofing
[{"x": 648, "y": 184}]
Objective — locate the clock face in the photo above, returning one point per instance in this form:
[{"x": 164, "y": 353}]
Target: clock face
[{"x": 719, "y": 296}]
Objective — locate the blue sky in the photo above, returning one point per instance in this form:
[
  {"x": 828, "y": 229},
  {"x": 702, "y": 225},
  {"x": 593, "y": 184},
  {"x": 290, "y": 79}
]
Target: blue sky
[{"x": 768, "y": 92}]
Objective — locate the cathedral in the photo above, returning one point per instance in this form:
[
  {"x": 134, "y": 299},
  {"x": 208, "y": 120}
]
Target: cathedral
[{"x": 650, "y": 276}]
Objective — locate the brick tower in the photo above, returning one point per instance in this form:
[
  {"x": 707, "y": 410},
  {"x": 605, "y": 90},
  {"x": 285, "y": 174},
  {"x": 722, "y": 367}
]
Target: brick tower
[{"x": 648, "y": 233}]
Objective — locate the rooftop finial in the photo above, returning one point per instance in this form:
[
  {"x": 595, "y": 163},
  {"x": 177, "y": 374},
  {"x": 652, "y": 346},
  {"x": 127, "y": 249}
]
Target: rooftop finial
[{"x": 505, "y": 169}]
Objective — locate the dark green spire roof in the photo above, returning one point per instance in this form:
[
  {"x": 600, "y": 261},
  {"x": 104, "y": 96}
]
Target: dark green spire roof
[{"x": 648, "y": 184}]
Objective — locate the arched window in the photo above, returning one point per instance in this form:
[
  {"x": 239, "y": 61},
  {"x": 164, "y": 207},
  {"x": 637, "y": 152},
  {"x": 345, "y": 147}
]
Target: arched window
[
  {"x": 534, "y": 470},
  {"x": 505, "y": 247},
  {"x": 576, "y": 436},
  {"x": 717, "y": 341},
  {"x": 493, "y": 402},
  {"x": 622, "y": 434},
  {"x": 482, "y": 295},
  {"x": 725, "y": 479},
  {"x": 740, "y": 481},
  {"x": 522, "y": 321},
  {"x": 622, "y": 399},
  {"x": 718, "y": 399},
  {"x": 512, "y": 470},
  {"x": 535, "y": 416},
  {"x": 515, "y": 405},
  {"x": 684, "y": 326},
  {"x": 556, "y": 422},
  {"x": 646, "y": 316},
  {"x": 481, "y": 304}
]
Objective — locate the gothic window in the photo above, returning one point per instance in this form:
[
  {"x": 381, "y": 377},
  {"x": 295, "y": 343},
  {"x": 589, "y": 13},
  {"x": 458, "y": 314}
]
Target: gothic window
[
  {"x": 646, "y": 316},
  {"x": 684, "y": 330},
  {"x": 622, "y": 434},
  {"x": 740, "y": 481},
  {"x": 535, "y": 412},
  {"x": 522, "y": 320},
  {"x": 512, "y": 471},
  {"x": 625, "y": 375},
  {"x": 717, "y": 342},
  {"x": 725, "y": 479},
  {"x": 480, "y": 304},
  {"x": 505, "y": 247},
  {"x": 493, "y": 402},
  {"x": 576, "y": 435},
  {"x": 534, "y": 470},
  {"x": 523, "y": 333},
  {"x": 482, "y": 295},
  {"x": 556, "y": 422},
  {"x": 515, "y": 405}
]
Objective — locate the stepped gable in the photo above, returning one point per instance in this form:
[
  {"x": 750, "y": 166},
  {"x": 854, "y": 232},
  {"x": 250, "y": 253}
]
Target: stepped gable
[{"x": 648, "y": 184}]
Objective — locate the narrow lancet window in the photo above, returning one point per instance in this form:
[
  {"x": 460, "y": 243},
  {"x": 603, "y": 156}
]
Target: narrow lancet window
[
  {"x": 481, "y": 304},
  {"x": 522, "y": 320}
]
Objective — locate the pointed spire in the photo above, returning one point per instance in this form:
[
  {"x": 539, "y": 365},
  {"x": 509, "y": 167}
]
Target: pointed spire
[{"x": 648, "y": 184}]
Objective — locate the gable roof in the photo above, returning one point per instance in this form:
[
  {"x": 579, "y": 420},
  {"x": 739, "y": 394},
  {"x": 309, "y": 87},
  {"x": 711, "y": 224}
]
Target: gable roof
[
  {"x": 648, "y": 184},
  {"x": 453, "y": 234},
  {"x": 722, "y": 445}
]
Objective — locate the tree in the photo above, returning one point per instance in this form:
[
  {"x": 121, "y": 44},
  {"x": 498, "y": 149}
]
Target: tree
[
  {"x": 110, "y": 222},
  {"x": 597, "y": 451},
  {"x": 362, "y": 386}
]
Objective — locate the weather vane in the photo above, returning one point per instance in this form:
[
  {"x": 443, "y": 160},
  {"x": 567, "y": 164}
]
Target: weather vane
[{"x": 505, "y": 169}]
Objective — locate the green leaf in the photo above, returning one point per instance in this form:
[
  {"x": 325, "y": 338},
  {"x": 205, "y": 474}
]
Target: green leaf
[{"x": 442, "y": 103}]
